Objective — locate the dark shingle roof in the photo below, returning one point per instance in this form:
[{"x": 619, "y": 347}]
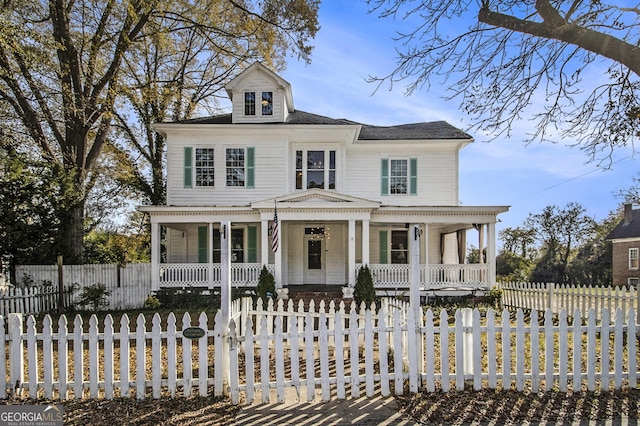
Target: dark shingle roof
[
  {"x": 432, "y": 130},
  {"x": 629, "y": 230}
]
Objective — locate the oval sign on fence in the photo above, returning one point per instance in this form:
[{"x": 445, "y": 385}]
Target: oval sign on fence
[{"x": 193, "y": 333}]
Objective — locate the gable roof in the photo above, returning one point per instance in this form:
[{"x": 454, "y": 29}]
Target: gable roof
[
  {"x": 435, "y": 130},
  {"x": 627, "y": 228},
  {"x": 257, "y": 67}
]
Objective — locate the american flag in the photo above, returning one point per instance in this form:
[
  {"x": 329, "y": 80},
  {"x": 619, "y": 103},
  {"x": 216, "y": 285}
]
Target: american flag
[{"x": 274, "y": 231}]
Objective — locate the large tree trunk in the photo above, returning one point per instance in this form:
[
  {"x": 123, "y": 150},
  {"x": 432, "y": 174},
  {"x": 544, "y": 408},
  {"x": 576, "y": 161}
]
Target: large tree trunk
[{"x": 71, "y": 238}]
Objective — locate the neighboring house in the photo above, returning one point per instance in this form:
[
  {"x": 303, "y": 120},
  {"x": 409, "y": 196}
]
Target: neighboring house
[
  {"x": 345, "y": 193},
  {"x": 626, "y": 246}
]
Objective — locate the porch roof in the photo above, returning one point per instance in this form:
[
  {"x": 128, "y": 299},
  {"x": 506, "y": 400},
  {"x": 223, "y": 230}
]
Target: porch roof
[{"x": 321, "y": 205}]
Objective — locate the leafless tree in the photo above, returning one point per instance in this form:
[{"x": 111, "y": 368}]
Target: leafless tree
[{"x": 539, "y": 60}]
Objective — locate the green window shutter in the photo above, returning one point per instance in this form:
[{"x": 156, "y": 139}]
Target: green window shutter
[
  {"x": 250, "y": 167},
  {"x": 384, "y": 247},
  {"x": 384, "y": 182},
  {"x": 252, "y": 249},
  {"x": 202, "y": 244},
  {"x": 188, "y": 167},
  {"x": 413, "y": 176}
]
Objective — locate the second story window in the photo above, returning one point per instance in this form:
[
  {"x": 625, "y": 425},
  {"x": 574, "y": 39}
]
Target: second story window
[
  {"x": 633, "y": 258},
  {"x": 315, "y": 169},
  {"x": 249, "y": 103},
  {"x": 240, "y": 167},
  {"x": 399, "y": 176},
  {"x": 267, "y": 103},
  {"x": 235, "y": 167},
  {"x": 204, "y": 167}
]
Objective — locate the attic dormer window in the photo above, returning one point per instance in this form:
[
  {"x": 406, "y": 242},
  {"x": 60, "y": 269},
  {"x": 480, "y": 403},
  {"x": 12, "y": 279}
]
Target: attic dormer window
[
  {"x": 267, "y": 103},
  {"x": 249, "y": 103}
]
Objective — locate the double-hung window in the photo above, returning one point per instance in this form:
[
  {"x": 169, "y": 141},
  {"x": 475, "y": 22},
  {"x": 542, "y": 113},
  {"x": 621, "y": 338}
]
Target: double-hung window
[
  {"x": 316, "y": 169},
  {"x": 395, "y": 251},
  {"x": 199, "y": 167},
  {"x": 240, "y": 167},
  {"x": 205, "y": 169},
  {"x": 249, "y": 103},
  {"x": 633, "y": 258},
  {"x": 267, "y": 103},
  {"x": 399, "y": 176}
]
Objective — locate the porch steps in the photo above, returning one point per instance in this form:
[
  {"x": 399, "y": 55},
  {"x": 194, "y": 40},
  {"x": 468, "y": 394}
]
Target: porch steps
[{"x": 317, "y": 293}]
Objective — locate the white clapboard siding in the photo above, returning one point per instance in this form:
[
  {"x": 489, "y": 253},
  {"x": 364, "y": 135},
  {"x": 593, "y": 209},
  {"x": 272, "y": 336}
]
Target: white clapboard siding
[{"x": 319, "y": 354}]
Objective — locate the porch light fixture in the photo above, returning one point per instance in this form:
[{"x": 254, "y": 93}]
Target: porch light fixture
[
  {"x": 417, "y": 233},
  {"x": 223, "y": 231}
]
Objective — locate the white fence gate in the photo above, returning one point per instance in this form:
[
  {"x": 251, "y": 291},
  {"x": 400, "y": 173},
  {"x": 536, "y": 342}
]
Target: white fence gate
[
  {"x": 318, "y": 353},
  {"x": 129, "y": 286}
]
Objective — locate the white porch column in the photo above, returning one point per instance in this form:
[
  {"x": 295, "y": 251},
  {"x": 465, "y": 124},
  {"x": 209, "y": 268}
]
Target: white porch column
[
  {"x": 278, "y": 254},
  {"x": 365, "y": 242},
  {"x": 425, "y": 247},
  {"x": 352, "y": 253},
  {"x": 155, "y": 255},
  {"x": 491, "y": 254},
  {"x": 264, "y": 242},
  {"x": 225, "y": 297},
  {"x": 481, "y": 242},
  {"x": 210, "y": 231},
  {"x": 414, "y": 269}
]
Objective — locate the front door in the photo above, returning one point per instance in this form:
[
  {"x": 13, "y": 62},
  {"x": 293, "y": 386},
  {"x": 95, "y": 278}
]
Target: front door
[{"x": 314, "y": 257}]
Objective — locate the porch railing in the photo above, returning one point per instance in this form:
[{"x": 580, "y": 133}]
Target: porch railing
[
  {"x": 197, "y": 274},
  {"x": 474, "y": 276},
  {"x": 391, "y": 276}
]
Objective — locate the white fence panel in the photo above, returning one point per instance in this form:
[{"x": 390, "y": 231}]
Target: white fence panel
[
  {"x": 457, "y": 352},
  {"x": 129, "y": 287}
]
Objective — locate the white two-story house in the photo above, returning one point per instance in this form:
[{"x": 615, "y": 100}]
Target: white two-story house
[{"x": 345, "y": 195}]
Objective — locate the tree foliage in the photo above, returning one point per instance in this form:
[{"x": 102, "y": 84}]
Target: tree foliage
[
  {"x": 565, "y": 245},
  {"x": 560, "y": 231},
  {"x": 364, "y": 291},
  {"x": 66, "y": 66},
  {"x": 28, "y": 226},
  {"x": 575, "y": 60}
]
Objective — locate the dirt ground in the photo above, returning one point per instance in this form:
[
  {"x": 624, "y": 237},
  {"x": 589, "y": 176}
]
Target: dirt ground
[{"x": 456, "y": 407}]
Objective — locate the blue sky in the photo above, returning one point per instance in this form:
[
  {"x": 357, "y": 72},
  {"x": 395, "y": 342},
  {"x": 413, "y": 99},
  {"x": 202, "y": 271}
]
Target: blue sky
[{"x": 352, "y": 45}]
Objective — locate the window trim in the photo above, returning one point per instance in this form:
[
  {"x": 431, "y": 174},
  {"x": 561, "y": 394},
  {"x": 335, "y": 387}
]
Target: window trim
[
  {"x": 634, "y": 255},
  {"x": 248, "y": 167},
  {"x": 249, "y": 105},
  {"x": 211, "y": 168},
  {"x": 268, "y": 106},
  {"x": 411, "y": 176},
  {"x": 301, "y": 171},
  {"x": 633, "y": 281}
]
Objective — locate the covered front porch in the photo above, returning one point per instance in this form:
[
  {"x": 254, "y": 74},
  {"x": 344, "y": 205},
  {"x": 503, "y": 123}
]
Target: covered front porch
[{"x": 323, "y": 238}]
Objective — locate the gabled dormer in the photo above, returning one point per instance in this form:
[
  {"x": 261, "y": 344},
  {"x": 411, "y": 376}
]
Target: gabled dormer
[{"x": 258, "y": 95}]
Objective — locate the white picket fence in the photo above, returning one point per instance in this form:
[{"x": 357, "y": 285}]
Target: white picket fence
[
  {"x": 350, "y": 354},
  {"x": 542, "y": 296},
  {"x": 129, "y": 286},
  {"x": 31, "y": 300}
]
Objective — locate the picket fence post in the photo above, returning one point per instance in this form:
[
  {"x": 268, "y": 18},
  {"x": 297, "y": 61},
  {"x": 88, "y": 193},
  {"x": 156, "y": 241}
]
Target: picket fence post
[{"x": 3, "y": 359}]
